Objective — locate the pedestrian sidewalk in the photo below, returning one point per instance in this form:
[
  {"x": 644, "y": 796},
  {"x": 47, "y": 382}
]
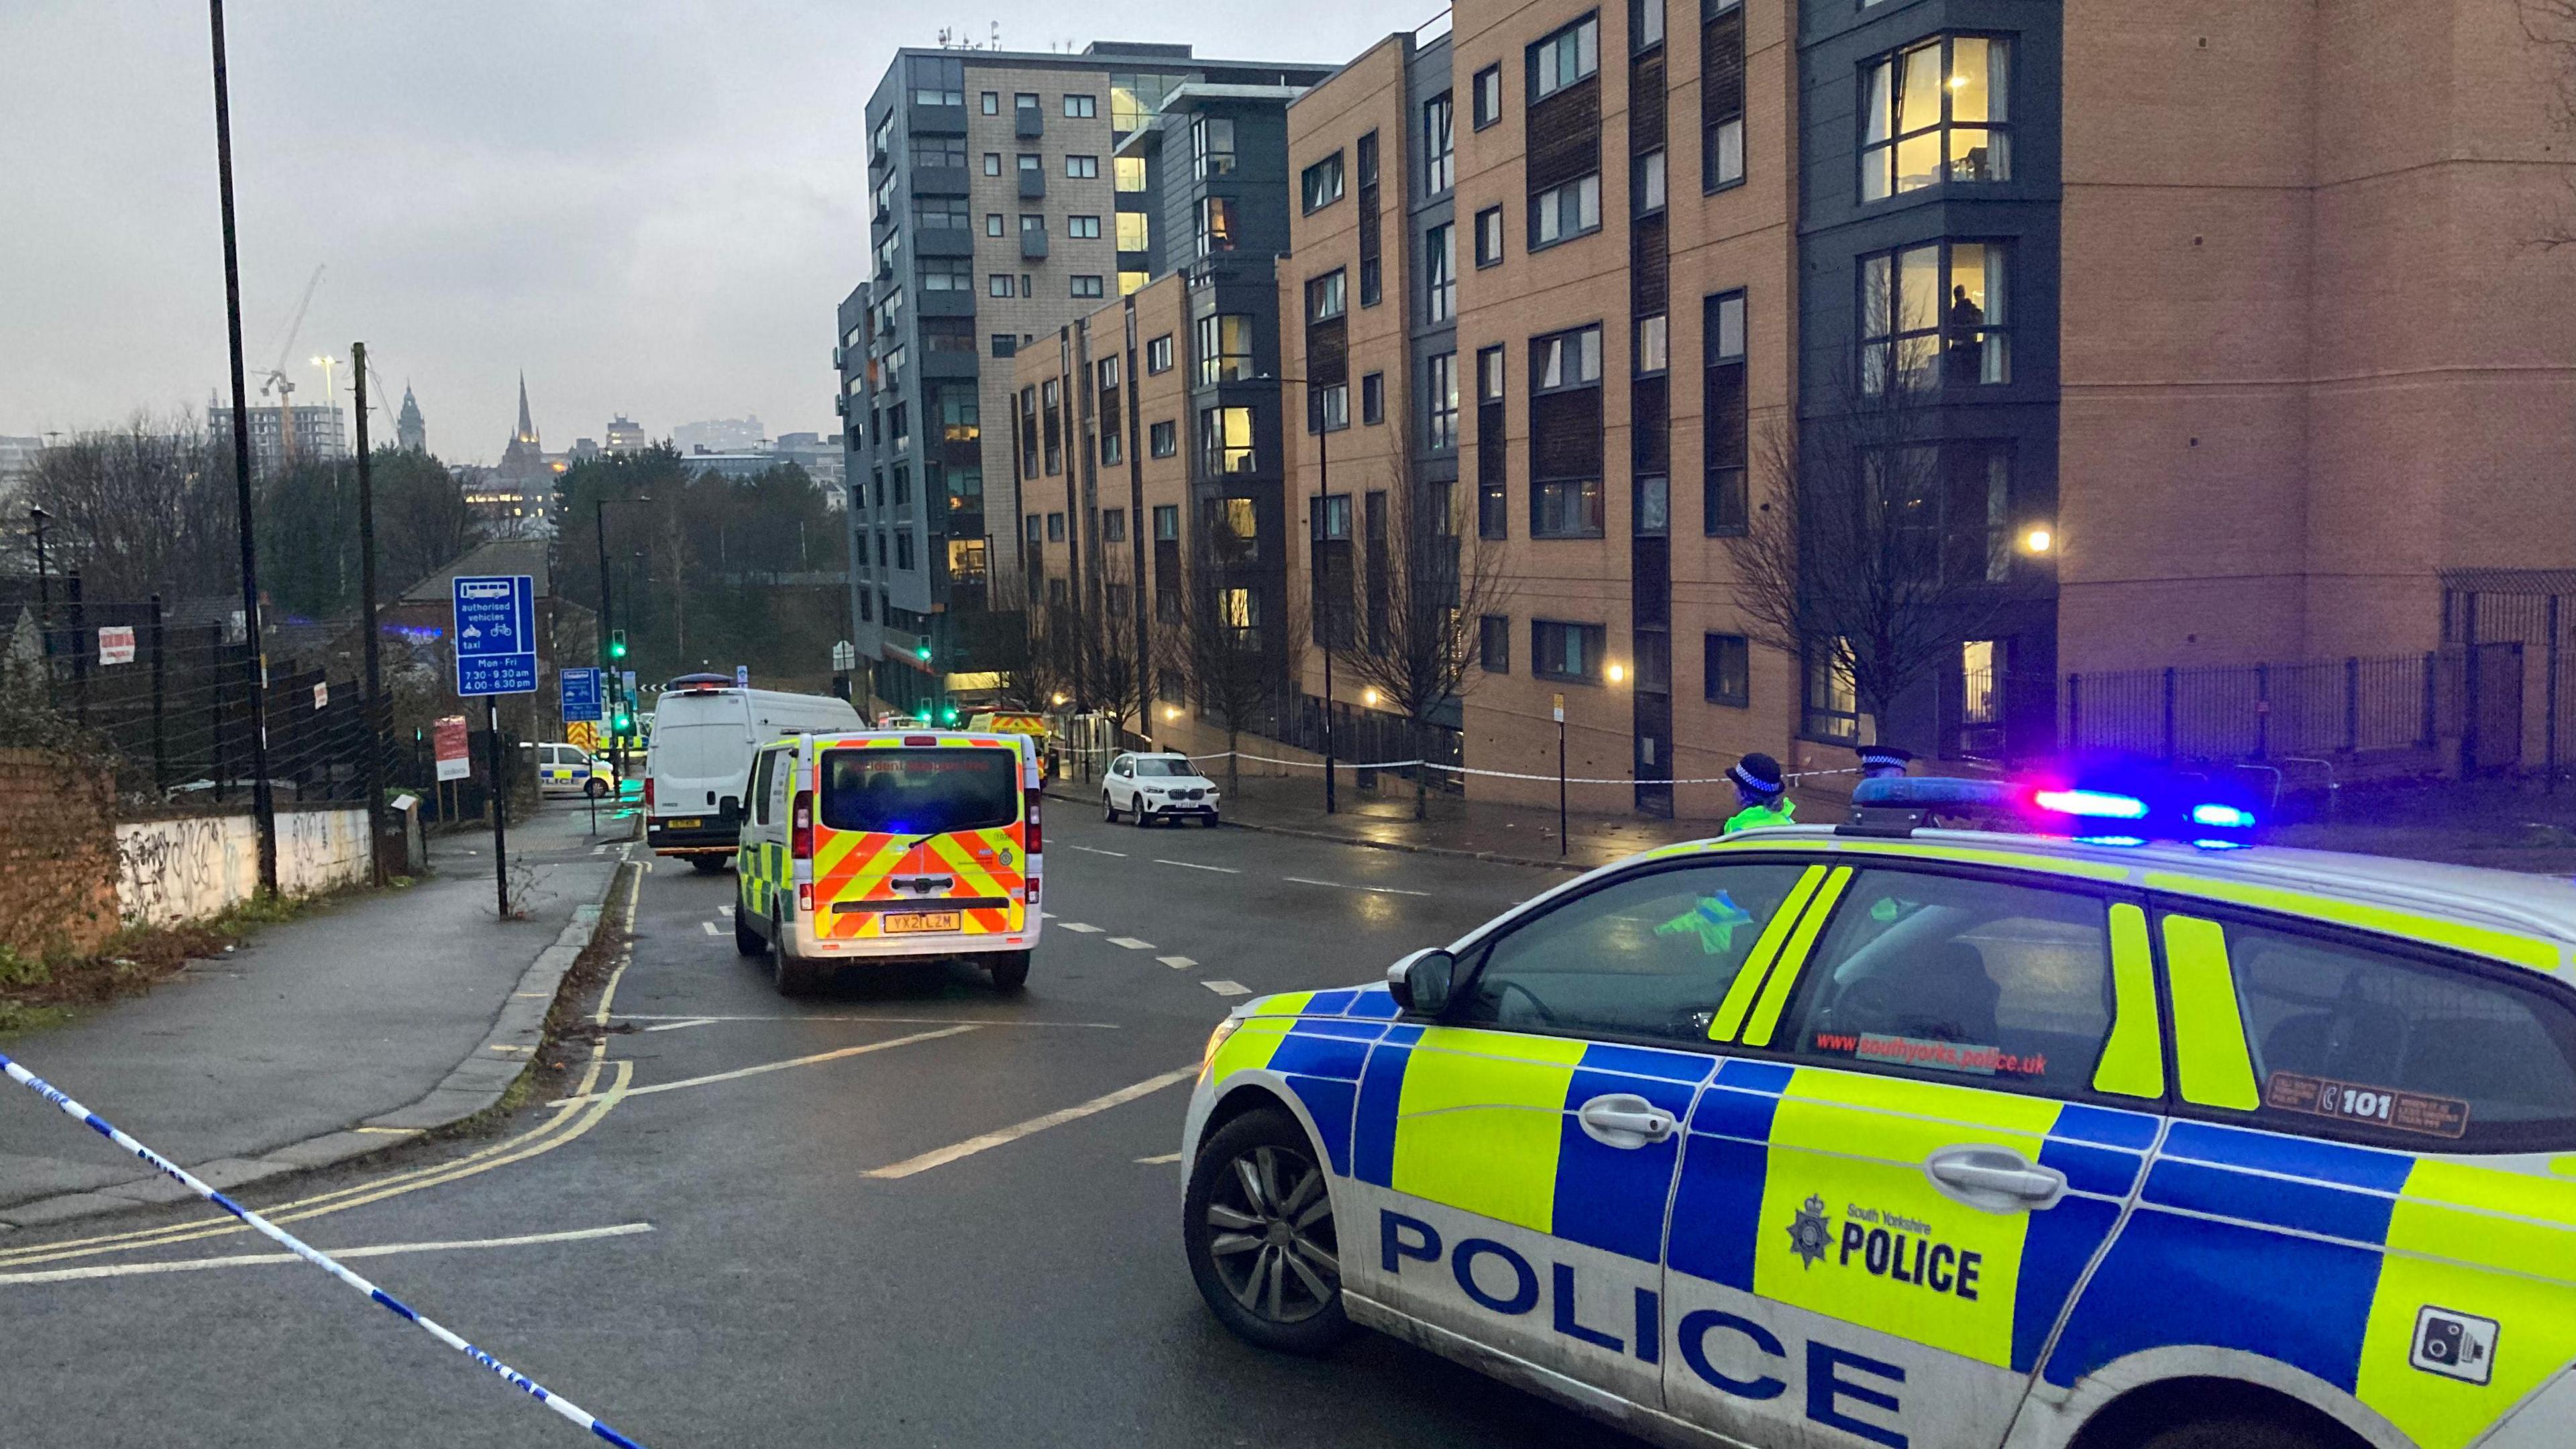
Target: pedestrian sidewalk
[
  {"x": 1294, "y": 805},
  {"x": 340, "y": 1033}
]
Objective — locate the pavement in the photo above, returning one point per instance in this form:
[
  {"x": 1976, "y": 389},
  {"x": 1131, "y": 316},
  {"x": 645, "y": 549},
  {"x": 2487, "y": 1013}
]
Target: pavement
[
  {"x": 376, "y": 1017},
  {"x": 903, "y": 1211}
]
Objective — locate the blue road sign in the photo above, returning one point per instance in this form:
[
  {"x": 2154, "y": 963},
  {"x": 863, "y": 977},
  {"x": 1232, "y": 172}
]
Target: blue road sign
[
  {"x": 580, "y": 695},
  {"x": 496, "y": 634}
]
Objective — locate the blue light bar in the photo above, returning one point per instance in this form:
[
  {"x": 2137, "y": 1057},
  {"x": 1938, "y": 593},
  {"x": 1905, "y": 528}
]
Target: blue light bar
[
  {"x": 2223, "y": 844},
  {"x": 2099, "y": 803},
  {"x": 2121, "y": 840},
  {"x": 1935, "y": 792},
  {"x": 2222, "y": 817}
]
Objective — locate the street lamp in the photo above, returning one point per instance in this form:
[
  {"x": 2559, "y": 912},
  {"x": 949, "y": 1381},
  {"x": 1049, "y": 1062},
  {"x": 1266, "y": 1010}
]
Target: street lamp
[
  {"x": 2038, "y": 539},
  {"x": 44, "y": 583}
]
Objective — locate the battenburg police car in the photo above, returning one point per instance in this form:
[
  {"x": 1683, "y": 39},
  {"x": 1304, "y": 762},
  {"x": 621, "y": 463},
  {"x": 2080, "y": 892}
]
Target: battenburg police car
[{"x": 1885, "y": 1135}]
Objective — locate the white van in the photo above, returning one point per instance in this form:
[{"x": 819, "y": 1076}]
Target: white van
[{"x": 704, "y": 734}]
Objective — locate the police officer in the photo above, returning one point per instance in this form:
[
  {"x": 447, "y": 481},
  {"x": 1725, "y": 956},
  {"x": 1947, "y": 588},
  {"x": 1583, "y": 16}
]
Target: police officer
[
  {"x": 1882, "y": 762},
  {"x": 1758, "y": 789}
]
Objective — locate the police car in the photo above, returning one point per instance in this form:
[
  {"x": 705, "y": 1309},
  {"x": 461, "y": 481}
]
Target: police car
[{"x": 1895, "y": 1135}]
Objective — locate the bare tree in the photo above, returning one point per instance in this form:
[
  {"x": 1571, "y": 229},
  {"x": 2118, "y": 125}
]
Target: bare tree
[
  {"x": 1108, "y": 677},
  {"x": 1425, "y": 597},
  {"x": 1218, "y": 645},
  {"x": 1040, "y": 671},
  {"x": 1848, "y": 560},
  {"x": 141, "y": 509}
]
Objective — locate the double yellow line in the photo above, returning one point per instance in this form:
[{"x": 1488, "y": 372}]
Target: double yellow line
[{"x": 573, "y": 1116}]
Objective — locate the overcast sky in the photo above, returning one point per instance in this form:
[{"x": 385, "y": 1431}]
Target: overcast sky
[{"x": 652, "y": 206}]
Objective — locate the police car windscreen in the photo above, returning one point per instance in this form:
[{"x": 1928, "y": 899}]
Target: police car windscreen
[
  {"x": 716, "y": 750},
  {"x": 920, "y": 792}
]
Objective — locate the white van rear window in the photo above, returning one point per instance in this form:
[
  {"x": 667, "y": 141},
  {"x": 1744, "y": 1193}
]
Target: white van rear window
[{"x": 701, "y": 751}]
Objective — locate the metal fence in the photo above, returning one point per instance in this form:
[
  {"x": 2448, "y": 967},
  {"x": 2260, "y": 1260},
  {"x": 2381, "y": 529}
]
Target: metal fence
[
  {"x": 171, "y": 701},
  {"x": 2265, "y": 711}
]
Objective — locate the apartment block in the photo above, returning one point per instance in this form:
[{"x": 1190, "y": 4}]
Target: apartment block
[
  {"x": 2204, "y": 358},
  {"x": 1002, "y": 208}
]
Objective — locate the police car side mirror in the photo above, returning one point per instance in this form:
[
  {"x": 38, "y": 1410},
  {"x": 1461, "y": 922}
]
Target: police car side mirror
[{"x": 1420, "y": 982}]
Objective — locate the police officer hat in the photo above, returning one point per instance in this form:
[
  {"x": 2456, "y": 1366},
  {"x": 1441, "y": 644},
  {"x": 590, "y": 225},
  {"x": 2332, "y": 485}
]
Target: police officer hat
[
  {"x": 1756, "y": 772},
  {"x": 1883, "y": 757}
]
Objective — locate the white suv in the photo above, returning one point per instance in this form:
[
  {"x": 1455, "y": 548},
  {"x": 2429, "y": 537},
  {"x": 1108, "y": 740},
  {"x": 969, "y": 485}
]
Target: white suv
[{"x": 1156, "y": 787}]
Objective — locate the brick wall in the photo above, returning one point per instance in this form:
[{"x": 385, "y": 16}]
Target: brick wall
[{"x": 57, "y": 856}]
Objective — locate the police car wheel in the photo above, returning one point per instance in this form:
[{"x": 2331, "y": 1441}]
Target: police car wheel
[
  {"x": 1258, "y": 1227},
  {"x": 2234, "y": 1431}
]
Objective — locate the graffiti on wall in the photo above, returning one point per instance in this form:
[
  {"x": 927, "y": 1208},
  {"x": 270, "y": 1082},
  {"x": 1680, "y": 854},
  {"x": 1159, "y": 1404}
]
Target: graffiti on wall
[{"x": 171, "y": 871}]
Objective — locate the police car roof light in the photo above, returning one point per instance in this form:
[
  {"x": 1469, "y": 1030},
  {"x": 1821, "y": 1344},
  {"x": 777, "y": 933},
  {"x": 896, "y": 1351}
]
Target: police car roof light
[
  {"x": 2097, "y": 804},
  {"x": 2222, "y": 817}
]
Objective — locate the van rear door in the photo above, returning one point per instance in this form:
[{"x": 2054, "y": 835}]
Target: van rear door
[{"x": 920, "y": 840}]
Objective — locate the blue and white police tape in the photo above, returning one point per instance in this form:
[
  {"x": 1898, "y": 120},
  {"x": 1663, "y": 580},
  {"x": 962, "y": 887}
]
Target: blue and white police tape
[{"x": 312, "y": 1255}]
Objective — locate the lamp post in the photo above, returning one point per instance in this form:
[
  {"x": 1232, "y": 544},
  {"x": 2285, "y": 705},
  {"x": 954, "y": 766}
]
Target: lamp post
[
  {"x": 607, "y": 665},
  {"x": 44, "y": 582}
]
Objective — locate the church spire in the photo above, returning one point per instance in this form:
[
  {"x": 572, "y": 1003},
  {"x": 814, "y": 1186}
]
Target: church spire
[{"x": 527, "y": 427}]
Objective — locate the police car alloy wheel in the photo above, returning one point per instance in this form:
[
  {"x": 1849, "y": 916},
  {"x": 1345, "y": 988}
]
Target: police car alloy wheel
[
  {"x": 2237, "y": 1431},
  {"x": 1258, "y": 1226}
]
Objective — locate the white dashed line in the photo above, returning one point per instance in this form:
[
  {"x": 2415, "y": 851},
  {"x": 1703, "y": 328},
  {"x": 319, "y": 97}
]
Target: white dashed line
[
  {"x": 677, "y": 1025},
  {"x": 1131, "y": 943},
  {"x": 245, "y": 1260},
  {"x": 1177, "y": 963},
  {"x": 1158, "y": 1161},
  {"x": 1018, "y": 1130},
  {"x": 1394, "y": 891},
  {"x": 710, "y": 928},
  {"x": 1194, "y": 865},
  {"x": 1227, "y": 988},
  {"x": 1083, "y": 926},
  {"x": 1095, "y": 850},
  {"x": 1338, "y": 886}
]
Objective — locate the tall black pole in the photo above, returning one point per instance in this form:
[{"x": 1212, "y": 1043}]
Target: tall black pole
[
  {"x": 500, "y": 804},
  {"x": 44, "y": 579},
  {"x": 1324, "y": 572},
  {"x": 254, "y": 655},
  {"x": 608, "y": 682},
  {"x": 1560, "y": 781},
  {"x": 160, "y": 691},
  {"x": 375, "y": 703}
]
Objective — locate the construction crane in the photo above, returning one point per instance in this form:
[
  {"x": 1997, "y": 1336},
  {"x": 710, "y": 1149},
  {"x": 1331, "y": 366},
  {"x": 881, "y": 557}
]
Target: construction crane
[{"x": 277, "y": 381}]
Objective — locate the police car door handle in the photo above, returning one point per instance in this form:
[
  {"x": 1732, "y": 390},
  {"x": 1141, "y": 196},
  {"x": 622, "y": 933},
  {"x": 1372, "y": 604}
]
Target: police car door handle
[
  {"x": 1624, "y": 1119},
  {"x": 1995, "y": 1178}
]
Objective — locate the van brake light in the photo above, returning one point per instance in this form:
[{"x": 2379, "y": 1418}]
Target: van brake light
[
  {"x": 648, "y": 793},
  {"x": 802, "y": 845},
  {"x": 1036, "y": 839}
]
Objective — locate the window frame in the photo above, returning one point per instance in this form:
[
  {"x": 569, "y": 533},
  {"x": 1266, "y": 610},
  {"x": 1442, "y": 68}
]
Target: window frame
[
  {"x": 1549, "y": 44},
  {"x": 1486, "y": 97},
  {"x": 1941, "y": 128},
  {"x": 1712, "y": 645},
  {"x": 1493, "y": 629},
  {"x": 1081, "y": 106},
  {"x": 1552, "y": 203},
  {"x": 1497, "y": 234},
  {"x": 1595, "y": 660},
  {"x": 1372, "y": 398},
  {"x": 1163, "y": 438},
  {"x": 1321, "y": 184},
  {"x": 1325, "y": 288},
  {"x": 1158, "y": 354},
  {"x": 1440, "y": 273},
  {"x": 1994, "y": 328},
  {"x": 1439, "y": 144}
]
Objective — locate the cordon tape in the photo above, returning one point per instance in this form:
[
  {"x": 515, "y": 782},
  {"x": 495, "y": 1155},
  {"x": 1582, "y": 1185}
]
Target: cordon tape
[
  {"x": 310, "y": 1254},
  {"x": 1504, "y": 774}
]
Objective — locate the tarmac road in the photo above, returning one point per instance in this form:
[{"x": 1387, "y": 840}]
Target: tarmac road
[{"x": 705, "y": 1257}]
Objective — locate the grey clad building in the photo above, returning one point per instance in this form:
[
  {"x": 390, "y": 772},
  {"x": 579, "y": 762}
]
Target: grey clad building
[{"x": 1006, "y": 203}]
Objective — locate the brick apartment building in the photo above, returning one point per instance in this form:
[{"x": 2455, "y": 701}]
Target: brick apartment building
[{"x": 2235, "y": 362}]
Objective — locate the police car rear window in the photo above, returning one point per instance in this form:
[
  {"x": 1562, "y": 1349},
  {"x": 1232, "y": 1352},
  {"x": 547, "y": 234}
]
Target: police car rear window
[
  {"x": 2346, "y": 1040},
  {"x": 920, "y": 792}
]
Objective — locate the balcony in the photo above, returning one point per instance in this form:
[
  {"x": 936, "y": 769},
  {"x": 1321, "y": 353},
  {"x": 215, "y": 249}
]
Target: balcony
[
  {"x": 939, "y": 181},
  {"x": 1028, "y": 123},
  {"x": 1032, "y": 183},
  {"x": 938, "y": 120},
  {"x": 943, "y": 241},
  {"x": 1033, "y": 246}
]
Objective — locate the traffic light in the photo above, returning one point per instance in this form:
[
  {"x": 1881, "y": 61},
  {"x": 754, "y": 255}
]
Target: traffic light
[
  {"x": 616, "y": 644},
  {"x": 921, "y": 651},
  {"x": 624, "y": 723},
  {"x": 948, "y": 714}
]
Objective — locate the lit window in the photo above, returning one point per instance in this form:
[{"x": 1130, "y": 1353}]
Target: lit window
[
  {"x": 1935, "y": 112},
  {"x": 1935, "y": 316},
  {"x": 1225, "y": 440},
  {"x": 1225, "y": 348}
]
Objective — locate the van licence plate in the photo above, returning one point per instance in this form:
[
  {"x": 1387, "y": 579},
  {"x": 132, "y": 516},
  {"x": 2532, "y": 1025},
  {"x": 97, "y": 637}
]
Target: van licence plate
[
  {"x": 689, "y": 824},
  {"x": 920, "y": 921}
]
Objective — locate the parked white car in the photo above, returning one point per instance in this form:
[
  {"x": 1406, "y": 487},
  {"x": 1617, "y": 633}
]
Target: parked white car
[{"x": 1156, "y": 787}]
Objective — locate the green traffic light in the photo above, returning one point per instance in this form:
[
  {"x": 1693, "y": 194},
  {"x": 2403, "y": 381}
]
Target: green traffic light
[
  {"x": 617, "y": 644},
  {"x": 922, "y": 652}
]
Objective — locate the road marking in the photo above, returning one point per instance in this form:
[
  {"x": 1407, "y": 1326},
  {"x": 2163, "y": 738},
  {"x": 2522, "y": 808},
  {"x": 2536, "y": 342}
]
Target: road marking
[
  {"x": 1131, "y": 943},
  {"x": 1194, "y": 865},
  {"x": 389, "y": 1131},
  {"x": 1177, "y": 963},
  {"x": 765, "y": 1067},
  {"x": 382, "y": 1250},
  {"x": 1082, "y": 926},
  {"x": 1226, "y": 988},
  {"x": 1158, "y": 1161},
  {"x": 1095, "y": 850},
  {"x": 710, "y": 928},
  {"x": 1337, "y": 885},
  {"x": 678, "y": 1025},
  {"x": 508, "y": 1047},
  {"x": 888, "y": 1020},
  {"x": 1013, "y": 1133}
]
